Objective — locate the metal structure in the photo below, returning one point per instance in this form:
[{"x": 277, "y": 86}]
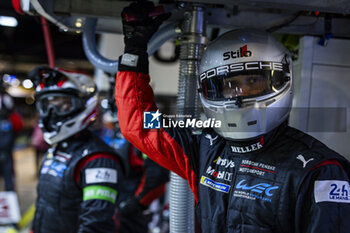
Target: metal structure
[
  {"x": 192, "y": 43},
  {"x": 319, "y": 18},
  {"x": 287, "y": 16}
]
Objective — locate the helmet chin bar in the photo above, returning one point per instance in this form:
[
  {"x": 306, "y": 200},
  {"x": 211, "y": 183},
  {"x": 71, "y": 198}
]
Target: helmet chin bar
[
  {"x": 256, "y": 116},
  {"x": 67, "y": 128},
  {"x": 62, "y": 131},
  {"x": 48, "y": 136},
  {"x": 239, "y": 127}
]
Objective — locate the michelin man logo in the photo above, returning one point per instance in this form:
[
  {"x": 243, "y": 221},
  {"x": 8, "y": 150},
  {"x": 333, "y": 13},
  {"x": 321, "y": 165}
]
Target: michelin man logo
[{"x": 151, "y": 120}]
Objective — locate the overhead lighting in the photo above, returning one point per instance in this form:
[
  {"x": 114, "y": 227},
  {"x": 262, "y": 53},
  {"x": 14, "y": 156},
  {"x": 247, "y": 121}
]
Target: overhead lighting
[
  {"x": 27, "y": 83},
  {"x": 15, "y": 83},
  {"x": 10, "y": 79},
  {"x": 8, "y": 21},
  {"x": 79, "y": 23}
]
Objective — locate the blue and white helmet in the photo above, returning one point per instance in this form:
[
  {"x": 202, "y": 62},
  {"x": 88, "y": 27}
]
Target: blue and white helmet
[{"x": 246, "y": 83}]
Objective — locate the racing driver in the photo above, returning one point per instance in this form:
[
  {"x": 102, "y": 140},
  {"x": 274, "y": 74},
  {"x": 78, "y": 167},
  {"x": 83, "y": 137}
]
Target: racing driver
[{"x": 254, "y": 174}]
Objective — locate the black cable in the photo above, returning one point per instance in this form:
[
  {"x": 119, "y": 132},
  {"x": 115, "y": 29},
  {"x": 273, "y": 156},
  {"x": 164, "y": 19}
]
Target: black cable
[
  {"x": 214, "y": 33},
  {"x": 111, "y": 101},
  {"x": 285, "y": 23}
]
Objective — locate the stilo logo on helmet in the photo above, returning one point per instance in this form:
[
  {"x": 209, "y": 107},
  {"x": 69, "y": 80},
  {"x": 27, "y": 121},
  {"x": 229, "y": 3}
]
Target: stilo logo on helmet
[{"x": 242, "y": 52}]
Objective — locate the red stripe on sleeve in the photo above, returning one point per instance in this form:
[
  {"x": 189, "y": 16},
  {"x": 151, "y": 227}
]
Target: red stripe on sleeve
[
  {"x": 141, "y": 185},
  {"x": 81, "y": 164},
  {"x": 327, "y": 162},
  {"x": 152, "y": 195},
  {"x": 134, "y": 160}
]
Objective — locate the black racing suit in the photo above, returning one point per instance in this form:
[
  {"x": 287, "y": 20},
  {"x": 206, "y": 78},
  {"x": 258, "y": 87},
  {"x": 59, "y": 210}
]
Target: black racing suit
[
  {"x": 77, "y": 187},
  {"x": 283, "y": 182}
]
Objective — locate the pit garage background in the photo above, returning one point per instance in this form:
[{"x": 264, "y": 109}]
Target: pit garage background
[{"x": 316, "y": 32}]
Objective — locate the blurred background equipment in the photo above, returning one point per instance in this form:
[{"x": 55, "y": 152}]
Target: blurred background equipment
[{"x": 141, "y": 199}]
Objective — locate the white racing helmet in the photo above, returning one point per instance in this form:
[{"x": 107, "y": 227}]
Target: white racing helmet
[
  {"x": 246, "y": 83},
  {"x": 66, "y": 101}
]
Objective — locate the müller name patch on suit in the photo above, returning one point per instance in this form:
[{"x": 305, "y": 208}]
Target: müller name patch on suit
[{"x": 246, "y": 149}]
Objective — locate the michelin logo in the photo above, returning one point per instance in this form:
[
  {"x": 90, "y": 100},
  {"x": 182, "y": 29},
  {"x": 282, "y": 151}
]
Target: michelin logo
[
  {"x": 151, "y": 120},
  {"x": 215, "y": 185},
  {"x": 332, "y": 191}
]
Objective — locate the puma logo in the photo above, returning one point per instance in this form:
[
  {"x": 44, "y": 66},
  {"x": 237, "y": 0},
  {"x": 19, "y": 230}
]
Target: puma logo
[
  {"x": 302, "y": 159},
  {"x": 211, "y": 139}
]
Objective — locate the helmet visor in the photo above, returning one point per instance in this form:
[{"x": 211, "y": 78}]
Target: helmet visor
[
  {"x": 246, "y": 84},
  {"x": 60, "y": 104}
]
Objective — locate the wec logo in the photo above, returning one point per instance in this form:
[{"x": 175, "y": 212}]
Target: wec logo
[{"x": 258, "y": 188}]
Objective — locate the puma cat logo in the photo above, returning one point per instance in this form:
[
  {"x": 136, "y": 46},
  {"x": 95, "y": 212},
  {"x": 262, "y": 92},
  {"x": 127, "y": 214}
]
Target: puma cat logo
[
  {"x": 302, "y": 159},
  {"x": 211, "y": 139}
]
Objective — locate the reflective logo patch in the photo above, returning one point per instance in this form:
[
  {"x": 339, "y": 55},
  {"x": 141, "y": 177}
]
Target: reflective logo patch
[
  {"x": 5, "y": 126},
  {"x": 100, "y": 175},
  {"x": 258, "y": 188},
  {"x": 98, "y": 192},
  {"x": 118, "y": 143},
  {"x": 332, "y": 191},
  {"x": 224, "y": 162},
  {"x": 215, "y": 185},
  {"x": 261, "y": 191},
  {"x": 53, "y": 168},
  {"x": 224, "y": 175},
  {"x": 44, "y": 169},
  {"x": 129, "y": 59}
]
